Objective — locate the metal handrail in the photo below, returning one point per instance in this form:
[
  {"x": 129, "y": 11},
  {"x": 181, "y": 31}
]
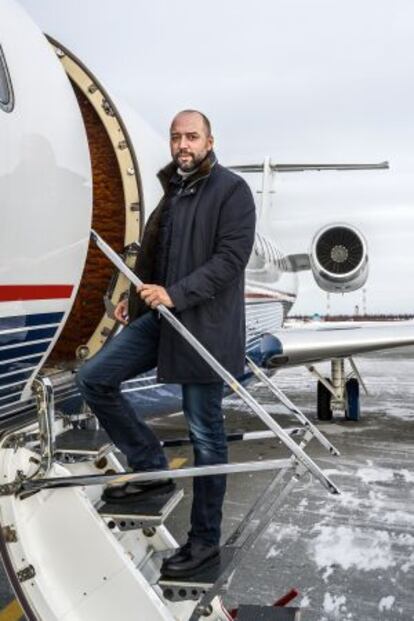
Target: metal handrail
[
  {"x": 34, "y": 485},
  {"x": 227, "y": 377},
  {"x": 291, "y": 407},
  {"x": 298, "y": 453}
]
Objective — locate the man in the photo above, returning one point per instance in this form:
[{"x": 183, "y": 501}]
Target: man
[{"x": 194, "y": 250}]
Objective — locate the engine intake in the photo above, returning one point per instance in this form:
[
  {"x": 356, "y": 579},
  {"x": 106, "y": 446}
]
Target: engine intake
[{"x": 339, "y": 258}]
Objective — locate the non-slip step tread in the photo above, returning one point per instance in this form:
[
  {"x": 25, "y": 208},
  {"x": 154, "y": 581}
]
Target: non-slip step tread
[
  {"x": 204, "y": 578},
  {"x": 157, "y": 507},
  {"x": 82, "y": 440},
  {"x": 267, "y": 613}
]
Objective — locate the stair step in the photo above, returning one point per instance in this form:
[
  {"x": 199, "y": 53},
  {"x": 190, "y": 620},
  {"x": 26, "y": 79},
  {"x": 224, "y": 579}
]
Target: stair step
[
  {"x": 82, "y": 441},
  {"x": 195, "y": 586},
  {"x": 267, "y": 613},
  {"x": 152, "y": 511}
]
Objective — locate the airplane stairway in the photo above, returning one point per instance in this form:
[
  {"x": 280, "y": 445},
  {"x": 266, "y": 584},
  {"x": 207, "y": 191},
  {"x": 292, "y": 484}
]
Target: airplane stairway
[
  {"x": 89, "y": 461},
  {"x": 51, "y": 503}
]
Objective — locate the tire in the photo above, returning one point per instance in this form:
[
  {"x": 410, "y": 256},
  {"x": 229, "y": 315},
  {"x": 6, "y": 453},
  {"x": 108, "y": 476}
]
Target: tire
[
  {"x": 324, "y": 410},
  {"x": 353, "y": 410}
]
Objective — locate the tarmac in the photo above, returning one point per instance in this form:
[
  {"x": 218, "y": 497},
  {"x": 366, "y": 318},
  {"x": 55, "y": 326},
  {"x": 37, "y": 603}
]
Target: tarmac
[{"x": 351, "y": 556}]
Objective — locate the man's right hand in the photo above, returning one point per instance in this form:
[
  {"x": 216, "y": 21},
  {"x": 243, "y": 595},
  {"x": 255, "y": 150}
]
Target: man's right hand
[{"x": 121, "y": 312}]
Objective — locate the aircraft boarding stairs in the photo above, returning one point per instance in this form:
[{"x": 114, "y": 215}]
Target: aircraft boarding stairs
[
  {"x": 72, "y": 558},
  {"x": 75, "y": 458}
]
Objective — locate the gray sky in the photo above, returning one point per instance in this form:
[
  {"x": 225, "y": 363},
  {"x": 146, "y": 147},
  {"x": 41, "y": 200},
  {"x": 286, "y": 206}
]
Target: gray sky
[{"x": 299, "y": 80}]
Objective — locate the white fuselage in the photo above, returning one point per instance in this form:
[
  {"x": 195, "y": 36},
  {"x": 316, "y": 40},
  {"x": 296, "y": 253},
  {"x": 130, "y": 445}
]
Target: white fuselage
[
  {"x": 46, "y": 199},
  {"x": 46, "y": 196}
]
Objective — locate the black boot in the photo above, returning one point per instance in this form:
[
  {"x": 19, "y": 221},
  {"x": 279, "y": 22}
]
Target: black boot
[
  {"x": 180, "y": 554},
  {"x": 190, "y": 559},
  {"x": 130, "y": 492}
]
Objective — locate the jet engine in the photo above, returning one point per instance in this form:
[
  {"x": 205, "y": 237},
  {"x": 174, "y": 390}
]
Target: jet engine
[{"x": 339, "y": 258}]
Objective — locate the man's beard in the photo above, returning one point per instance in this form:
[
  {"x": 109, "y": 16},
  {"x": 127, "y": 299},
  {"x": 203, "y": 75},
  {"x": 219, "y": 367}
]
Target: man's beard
[{"x": 192, "y": 163}]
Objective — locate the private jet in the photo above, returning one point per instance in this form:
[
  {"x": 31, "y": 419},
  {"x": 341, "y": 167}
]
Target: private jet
[{"x": 72, "y": 159}]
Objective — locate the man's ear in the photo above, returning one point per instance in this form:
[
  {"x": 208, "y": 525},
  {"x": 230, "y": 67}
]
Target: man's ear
[{"x": 210, "y": 141}]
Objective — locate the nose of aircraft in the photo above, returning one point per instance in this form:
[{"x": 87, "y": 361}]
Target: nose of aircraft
[{"x": 70, "y": 161}]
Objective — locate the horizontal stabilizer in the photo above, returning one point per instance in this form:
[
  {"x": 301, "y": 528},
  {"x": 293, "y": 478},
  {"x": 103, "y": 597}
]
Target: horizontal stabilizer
[
  {"x": 297, "y": 262},
  {"x": 249, "y": 168}
]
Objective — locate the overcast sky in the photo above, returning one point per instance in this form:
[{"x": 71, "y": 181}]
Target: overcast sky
[{"x": 298, "y": 80}]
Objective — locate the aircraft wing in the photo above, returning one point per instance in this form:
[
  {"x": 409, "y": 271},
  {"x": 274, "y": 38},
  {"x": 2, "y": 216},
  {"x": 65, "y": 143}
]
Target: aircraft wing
[{"x": 306, "y": 345}]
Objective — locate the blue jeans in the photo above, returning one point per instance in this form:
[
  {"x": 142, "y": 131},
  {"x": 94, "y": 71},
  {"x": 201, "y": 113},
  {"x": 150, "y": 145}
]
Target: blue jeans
[{"x": 132, "y": 352}]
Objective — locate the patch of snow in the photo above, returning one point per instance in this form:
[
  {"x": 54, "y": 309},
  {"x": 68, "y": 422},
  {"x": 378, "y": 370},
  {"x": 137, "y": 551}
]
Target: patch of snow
[
  {"x": 399, "y": 411},
  {"x": 304, "y": 602},
  {"x": 273, "y": 552},
  {"x": 303, "y": 504},
  {"x": 406, "y": 539},
  {"x": 408, "y": 565},
  {"x": 278, "y": 532},
  {"x": 333, "y": 428},
  {"x": 408, "y": 475},
  {"x": 334, "y": 604},
  {"x": 370, "y": 474},
  {"x": 348, "y": 499},
  {"x": 347, "y": 547},
  {"x": 376, "y": 497},
  {"x": 398, "y": 517},
  {"x": 339, "y": 473},
  {"x": 386, "y": 603},
  {"x": 283, "y": 531},
  {"x": 327, "y": 573},
  {"x": 272, "y": 408}
]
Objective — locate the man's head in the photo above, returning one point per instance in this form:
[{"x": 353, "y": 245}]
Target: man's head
[{"x": 190, "y": 139}]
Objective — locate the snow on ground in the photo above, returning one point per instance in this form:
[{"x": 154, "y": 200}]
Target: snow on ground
[
  {"x": 334, "y": 605},
  {"x": 348, "y": 547},
  {"x": 386, "y": 603},
  {"x": 370, "y": 474},
  {"x": 351, "y": 556}
]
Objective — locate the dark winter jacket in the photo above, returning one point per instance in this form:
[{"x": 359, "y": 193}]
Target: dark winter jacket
[{"x": 212, "y": 237}]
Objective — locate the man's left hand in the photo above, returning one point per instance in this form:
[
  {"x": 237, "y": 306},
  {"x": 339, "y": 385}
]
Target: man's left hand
[{"x": 153, "y": 295}]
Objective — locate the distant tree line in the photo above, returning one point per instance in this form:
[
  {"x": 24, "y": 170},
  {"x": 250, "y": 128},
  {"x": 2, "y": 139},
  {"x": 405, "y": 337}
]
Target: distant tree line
[{"x": 379, "y": 317}]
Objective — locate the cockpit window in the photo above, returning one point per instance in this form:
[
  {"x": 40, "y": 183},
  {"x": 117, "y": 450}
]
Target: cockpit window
[{"x": 6, "y": 90}]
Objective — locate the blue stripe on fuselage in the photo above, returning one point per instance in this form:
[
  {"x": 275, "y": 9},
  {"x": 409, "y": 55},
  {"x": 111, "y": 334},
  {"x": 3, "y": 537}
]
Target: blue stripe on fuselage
[
  {"x": 27, "y": 350},
  {"x": 19, "y": 376},
  {"x": 10, "y": 390},
  {"x": 9, "y": 400},
  {"x": 22, "y": 321},
  {"x": 18, "y": 352},
  {"x": 27, "y": 335},
  {"x": 19, "y": 365}
]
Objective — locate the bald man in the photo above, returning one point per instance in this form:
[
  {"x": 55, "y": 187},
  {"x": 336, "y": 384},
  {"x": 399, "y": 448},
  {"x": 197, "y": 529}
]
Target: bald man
[{"x": 192, "y": 258}]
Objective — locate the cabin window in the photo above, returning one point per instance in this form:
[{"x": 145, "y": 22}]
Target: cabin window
[{"x": 6, "y": 91}]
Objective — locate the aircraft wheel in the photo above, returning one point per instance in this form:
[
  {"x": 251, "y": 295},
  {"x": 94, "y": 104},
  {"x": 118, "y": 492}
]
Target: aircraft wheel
[
  {"x": 353, "y": 410},
  {"x": 324, "y": 410}
]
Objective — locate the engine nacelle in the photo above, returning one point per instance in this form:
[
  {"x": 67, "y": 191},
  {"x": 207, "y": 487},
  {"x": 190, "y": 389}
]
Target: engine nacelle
[{"x": 339, "y": 258}]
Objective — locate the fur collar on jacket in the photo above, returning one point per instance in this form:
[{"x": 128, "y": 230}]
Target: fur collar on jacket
[{"x": 165, "y": 174}]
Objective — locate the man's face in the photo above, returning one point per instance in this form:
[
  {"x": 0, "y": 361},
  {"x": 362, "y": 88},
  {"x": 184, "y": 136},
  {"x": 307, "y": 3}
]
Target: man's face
[{"x": 189, "y": 142}]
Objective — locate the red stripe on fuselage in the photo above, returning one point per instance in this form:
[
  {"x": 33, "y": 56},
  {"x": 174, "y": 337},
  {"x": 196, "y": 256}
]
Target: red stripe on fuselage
[{"x": 13, "y": 293}]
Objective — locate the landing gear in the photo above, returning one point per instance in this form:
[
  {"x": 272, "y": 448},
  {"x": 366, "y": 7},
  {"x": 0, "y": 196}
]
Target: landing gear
[
  {"x": 353, "y": 410},
  {"x": 340, "y": 392},
  {"x": 324, "y": 397}
]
